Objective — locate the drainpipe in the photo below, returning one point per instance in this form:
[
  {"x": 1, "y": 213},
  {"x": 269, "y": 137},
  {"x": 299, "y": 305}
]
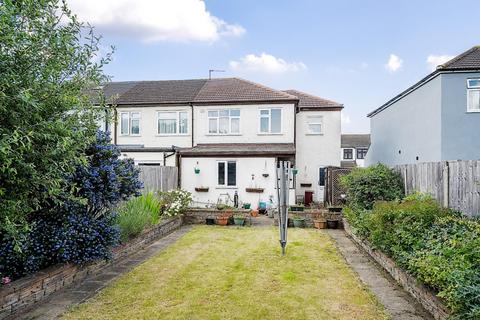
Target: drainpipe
[
  {"x": 115, "y": 126},
  {"x": 193, "y": 124}
]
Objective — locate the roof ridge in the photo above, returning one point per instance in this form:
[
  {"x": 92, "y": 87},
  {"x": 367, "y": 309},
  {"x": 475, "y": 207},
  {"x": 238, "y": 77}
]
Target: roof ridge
[
  {"x": 313, "y": 96},
  {"x": 457, "y": 58}
]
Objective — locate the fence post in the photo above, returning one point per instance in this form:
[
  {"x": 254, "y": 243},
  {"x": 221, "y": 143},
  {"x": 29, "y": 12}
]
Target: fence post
[
  {"x": 405, "y": 179},
  {"x": 446, "y": 185}
]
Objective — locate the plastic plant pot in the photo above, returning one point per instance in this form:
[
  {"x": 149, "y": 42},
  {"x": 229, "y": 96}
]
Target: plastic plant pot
[
  {"x": 240, "y": 221},
  {"x": 299, "y": 222}
]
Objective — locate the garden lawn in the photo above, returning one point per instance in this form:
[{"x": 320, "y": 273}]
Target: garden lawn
[{"x": 238, "y": 273}]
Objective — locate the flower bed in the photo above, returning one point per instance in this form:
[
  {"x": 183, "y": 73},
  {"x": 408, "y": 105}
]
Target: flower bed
[{"x": 200, "y": 215}]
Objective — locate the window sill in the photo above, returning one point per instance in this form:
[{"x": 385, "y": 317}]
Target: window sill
[
  {"x": 269, "y": 134},
  {"x": 130, "y": 135},
  {"x": 314, "y": 134},
  {"x": 473, "y": 111},
  {"x": 226, "y": 187},
  {"x": 222, "y": 134},
  {"x": 172, "y": 135}
]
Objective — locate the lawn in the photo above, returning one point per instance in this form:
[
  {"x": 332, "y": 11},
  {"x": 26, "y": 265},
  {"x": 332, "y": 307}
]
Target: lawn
[{"x": 238, "y": 273}]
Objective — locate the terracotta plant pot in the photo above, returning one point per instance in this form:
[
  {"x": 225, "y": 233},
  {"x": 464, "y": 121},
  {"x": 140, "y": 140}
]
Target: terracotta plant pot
[
  {"x": 320, "y": 224},
  {"x": 222, "y": 221},
  {"x": 254, "y": 213}
]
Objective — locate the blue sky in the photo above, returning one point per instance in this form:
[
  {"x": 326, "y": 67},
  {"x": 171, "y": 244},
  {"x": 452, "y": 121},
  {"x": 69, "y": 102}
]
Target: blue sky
[{"x": 339, "y": 50}]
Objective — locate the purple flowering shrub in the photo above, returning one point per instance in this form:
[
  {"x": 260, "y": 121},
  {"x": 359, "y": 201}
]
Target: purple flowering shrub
[{"x": 82, "y": 228}]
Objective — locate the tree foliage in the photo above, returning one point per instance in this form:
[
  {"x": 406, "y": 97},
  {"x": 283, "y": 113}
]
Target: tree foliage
[{"x": 47, "y": 65}]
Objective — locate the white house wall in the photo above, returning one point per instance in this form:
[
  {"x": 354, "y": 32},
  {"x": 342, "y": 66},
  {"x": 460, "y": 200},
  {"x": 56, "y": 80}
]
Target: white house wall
[
  {"x": 148, "y": 128},
  {"x": 316, "y": 150},
  {"x": 246, "y": 167},
  {"x": 249, "y": 125}
]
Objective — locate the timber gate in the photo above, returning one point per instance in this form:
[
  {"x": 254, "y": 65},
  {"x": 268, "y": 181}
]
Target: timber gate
[{"x": 333, "y": 189}]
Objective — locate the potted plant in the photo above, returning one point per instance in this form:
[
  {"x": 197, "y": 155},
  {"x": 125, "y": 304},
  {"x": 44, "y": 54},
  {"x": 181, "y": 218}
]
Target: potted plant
[
  {"x": 320, "y": 223},
  {"x": 298, "y": 222},
  {"x": 254, "y": 213},
  {"x": 246, "y": 205},
  {"x": 222, "y": 220},
  {"x": 332, "y": 224},
  {"x": 298, "y": 207},
  {"x": 239, "y": 220}
]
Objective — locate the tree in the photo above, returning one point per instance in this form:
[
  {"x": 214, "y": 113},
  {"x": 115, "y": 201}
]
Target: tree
[{"x": 47, "y": 66}]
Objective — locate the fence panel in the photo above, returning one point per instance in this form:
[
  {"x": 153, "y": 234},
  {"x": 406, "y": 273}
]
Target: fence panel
[
  {"x": 158, "y": 178},
  {"x": 453, "y": 183}
]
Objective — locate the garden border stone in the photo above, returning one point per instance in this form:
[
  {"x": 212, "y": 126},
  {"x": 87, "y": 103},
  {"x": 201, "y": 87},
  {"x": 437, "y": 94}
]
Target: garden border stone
[
  {"x": 424, "y": 295},
  {"x": 23, "y": 293}
]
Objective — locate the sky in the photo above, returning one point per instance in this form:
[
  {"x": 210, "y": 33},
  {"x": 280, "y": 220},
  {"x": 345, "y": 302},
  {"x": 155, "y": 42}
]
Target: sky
[{"x": 358, "y": 53}]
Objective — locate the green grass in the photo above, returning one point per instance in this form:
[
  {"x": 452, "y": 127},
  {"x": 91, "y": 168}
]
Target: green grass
[{"x": 238, "y": 273}]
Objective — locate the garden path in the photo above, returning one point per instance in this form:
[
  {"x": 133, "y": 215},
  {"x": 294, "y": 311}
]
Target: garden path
[{"x": 398, "y": 303}]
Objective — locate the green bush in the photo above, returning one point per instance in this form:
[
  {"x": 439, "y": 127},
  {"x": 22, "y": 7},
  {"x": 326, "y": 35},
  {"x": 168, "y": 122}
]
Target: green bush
[
  {"x": 367, "y": 185},
  {"x": 436, "y": 245},
  {"x": 137, "y": 214},
  {"x": 174, "y": 202}
]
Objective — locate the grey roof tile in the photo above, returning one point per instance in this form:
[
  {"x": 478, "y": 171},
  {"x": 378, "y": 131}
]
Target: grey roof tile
[
  {"x": 355, "y": 140},
  {"x": 239, "y": 149},
  {"x": 310, "y": 101}
]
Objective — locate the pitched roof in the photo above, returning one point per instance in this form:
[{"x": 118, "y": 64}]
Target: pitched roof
[
  {"x": 239, "y": 149},
  {"x": 355, "y": 140},
  {"x": 192, "y": 91},
  {"x": 308, "y": 101},
  {"x": 467, "y": 61}
]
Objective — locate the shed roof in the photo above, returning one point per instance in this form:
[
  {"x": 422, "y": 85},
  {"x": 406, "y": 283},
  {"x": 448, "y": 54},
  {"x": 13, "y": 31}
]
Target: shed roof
[
  {"x": 240, "y": 149},
  {"x": 355, "y": 140}
]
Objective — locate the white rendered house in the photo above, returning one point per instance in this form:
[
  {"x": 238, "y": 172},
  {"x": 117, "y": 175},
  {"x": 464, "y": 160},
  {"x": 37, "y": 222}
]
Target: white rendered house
[{"x": 225, "y": 135}]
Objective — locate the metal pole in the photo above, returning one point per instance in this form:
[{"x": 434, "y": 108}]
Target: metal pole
[{"x": 283, "y": 174}]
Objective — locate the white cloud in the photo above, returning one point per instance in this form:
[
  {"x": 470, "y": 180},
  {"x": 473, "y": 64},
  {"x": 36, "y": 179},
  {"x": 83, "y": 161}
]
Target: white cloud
[
  {"x": 155, "y": 20},
  {"x": 345, "y": 118},
  {"x": 394, "y": 63},
  {"x": 435, "y": 60},
  {"x": 266, "y": 63}
]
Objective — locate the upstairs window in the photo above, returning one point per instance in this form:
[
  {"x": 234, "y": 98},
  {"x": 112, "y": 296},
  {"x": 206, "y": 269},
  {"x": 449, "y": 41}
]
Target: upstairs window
[
  {"x": 172, "y": 122},
  {"x": 130, "y": 123},
  {"x": 315, "y": 125},
  {"x": 361, "y": 153},
  {"x": 271, "y": 120},
  {"x": 224, "y": 121},
  {"x": 348, "y": 154},
  {"x": 473, "y": 95},
  {"x": 227, "y": 173}
]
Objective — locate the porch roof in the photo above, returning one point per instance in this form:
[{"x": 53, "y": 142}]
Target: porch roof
[{"x": 239, "y": 150}]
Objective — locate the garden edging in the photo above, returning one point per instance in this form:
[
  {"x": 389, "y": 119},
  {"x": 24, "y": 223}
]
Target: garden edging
[
  {"x": 425, "y": 296},
  {"x": 23, "y": 293}
]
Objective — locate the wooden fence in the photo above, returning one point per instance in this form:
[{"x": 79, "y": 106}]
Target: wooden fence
[
  {"x": 455, "y": 184},
  {"x": 158, "y": 178}
]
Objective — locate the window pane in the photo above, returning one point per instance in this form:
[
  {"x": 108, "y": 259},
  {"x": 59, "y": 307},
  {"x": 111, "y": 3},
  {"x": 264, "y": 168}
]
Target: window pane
[
  {"x": 264, "y": 124},
  {"x": 235, "y": 125},
  {"x": 223, "y": 125},
  {"x": 167, "y": 126},
  {"x": 135, "y": 126},
  {"x": 235, "y": 113},
  {"x": 135, "y": 115},
  {"x": 474, "y": 83},
  {"x": 213, "y": 113},
  {"x": 183, "y": 122},
  {"x": 265, "y": 112},
  {"x": 232, "y": 173},
  {"x": 167, "y": 115},
  {"x": 276, "y": 121},
  {"x": 223, "y": 113},
  {"x": 321, "y": 177},
  {"x": 221, "y": 173},
  {"x": 347, "y": 154},
  {"x": 361, "y": 153},
  {"x": 212, "y": 125},
  {"x": 124, "y": 123},
  {"x": 473, "y": 99},
  {"x": 315, "y": 128}
]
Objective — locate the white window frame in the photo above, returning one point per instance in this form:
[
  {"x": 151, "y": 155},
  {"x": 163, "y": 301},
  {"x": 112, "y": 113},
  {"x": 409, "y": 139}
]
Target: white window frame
[
  {"x": 129, "y": 123},
  {"x": 469, "y": 89},
  {"x": 225, "y": 185},
  {"x": 269, "y": 116},
  {"x": 177, "y": 129},
  {"x": 316, "y": 122},
  {"x": 353, "y": 154},
  {"x": 230, "y": 117}
]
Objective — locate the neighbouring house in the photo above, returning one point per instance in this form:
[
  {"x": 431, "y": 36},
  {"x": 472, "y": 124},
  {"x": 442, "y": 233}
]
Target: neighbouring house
[
  {"x": 436, "y": 119},
  {"x": 354, "y": 150},
  {"x": 225, "y": 135}
]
